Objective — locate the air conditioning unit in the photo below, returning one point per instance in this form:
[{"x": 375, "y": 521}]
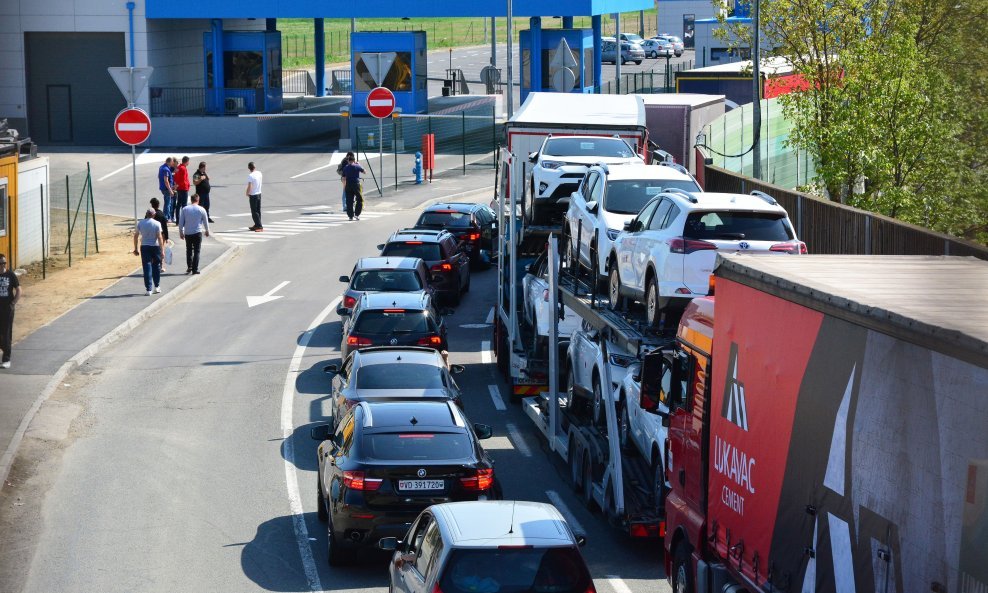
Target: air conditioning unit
[{"x": 236, "y": 105}]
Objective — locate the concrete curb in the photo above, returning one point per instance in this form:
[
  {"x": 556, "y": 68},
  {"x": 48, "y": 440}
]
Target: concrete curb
[{"x": 7, "y": 460}]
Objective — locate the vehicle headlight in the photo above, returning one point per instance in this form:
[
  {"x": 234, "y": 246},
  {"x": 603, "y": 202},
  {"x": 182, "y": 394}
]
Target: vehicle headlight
[
  {"x": 612, "y": 234},
  {"x": 551, "y": 165},
  {"x": 620, "y": 360}
]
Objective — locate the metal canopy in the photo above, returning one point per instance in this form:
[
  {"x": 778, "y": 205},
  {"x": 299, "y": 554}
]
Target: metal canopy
[{"x": 232, "y": 9}]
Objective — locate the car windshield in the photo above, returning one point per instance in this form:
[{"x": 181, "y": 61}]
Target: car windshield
[
  {"x": 386, "y": 281},
  {"x": 442, "y": 219},
  {"x": 628, "y": 196},
  {"x": 417, "y": 446},
  {"x": 400, "y": 376},
  {"x": 515, "y": 570},
  {"x": 605, "y": 147},
  {"x": 426, "y": 251},
  {"x": 391, "y": 321},
  {"x": 751, "y": 226}
]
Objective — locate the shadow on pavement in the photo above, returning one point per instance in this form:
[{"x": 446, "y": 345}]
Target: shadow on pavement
[
  {"x": 327, "y": 335},
  {"x": 303, "y": 447}
]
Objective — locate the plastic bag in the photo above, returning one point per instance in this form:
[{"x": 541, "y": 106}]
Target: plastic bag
[{"x": 168, "y": 252}]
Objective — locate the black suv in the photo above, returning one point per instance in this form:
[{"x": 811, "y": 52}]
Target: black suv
[
  {"x": 389, "y": 460},
  {"x": 446, "y": 257},
  {"x": 472, "y": 224}
]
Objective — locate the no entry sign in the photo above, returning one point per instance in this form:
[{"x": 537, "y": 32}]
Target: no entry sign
[
  {"x": 380, "y": 102},
  {"x": 132, "y": 126}
]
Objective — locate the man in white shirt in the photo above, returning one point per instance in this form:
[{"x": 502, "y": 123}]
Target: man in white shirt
[
  {"x": 192, "y": 222},
  {"x": 254, "y": 195},
  {"x": 152, "y": 249}
]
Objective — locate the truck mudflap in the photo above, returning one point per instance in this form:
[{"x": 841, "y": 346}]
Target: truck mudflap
[{"x": 644, "y": 508}]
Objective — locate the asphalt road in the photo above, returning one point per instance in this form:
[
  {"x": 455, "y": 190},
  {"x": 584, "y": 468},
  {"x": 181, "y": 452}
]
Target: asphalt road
[{"x": 189, "y": 466}]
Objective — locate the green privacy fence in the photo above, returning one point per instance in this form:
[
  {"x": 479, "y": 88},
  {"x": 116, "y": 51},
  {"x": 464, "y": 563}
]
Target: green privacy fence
[{"x": 729, "y": 137}]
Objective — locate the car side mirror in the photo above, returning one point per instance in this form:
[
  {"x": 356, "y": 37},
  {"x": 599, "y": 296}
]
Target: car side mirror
[
  {"x": 345, "y": 279},
  {"x": 484, "y": 431},
  {"x": 343, "y": 311},
  {"x": 319, "y": 433},
  {"x": 563, "y": 201},
  {"x": 388, "y": 544},
  {"x": 592, "y": 206},
  {"x": 533, "y": 157},
  {"x": 380, "y": 246},
  {"x": 581, "y": 540},
  {"x": 331, "y": 369},
  {"x": 456, "y": 369},
  {"x": 628, "y": 226}
]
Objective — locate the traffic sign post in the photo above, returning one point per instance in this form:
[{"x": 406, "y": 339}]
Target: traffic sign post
[
  {"x": 132, "y": 125},
  {"x": 380, "y": 104}
]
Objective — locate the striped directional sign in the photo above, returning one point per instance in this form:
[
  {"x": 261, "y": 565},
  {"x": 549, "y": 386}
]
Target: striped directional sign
[
  {"x": 132, "y": 126},
  {"x": 380, "y": 102}
]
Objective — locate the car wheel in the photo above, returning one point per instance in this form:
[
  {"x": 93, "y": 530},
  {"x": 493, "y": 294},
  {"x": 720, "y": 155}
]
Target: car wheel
[
  {"x": 682, "y": 578},
  {"x": 570, "y": 394},
  {"x": 321, "y": 511},
  {"x": 336, "y": 555},
  {"x": 638, "y": 62},
  {"x": 598, "y": 406},
  {"x": 658, "y": 479},
  {"x": 653, "y": 311},
  {"x": 616, "y": 301},
  {"x": 624, "y": 428}
]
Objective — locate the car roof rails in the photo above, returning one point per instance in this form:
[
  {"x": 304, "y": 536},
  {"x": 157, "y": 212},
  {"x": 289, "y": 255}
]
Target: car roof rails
[
  {"x": 760, "y": 194},
  {"x": 603, "y": 167},
  {"x": 675, "y": 166},
  {"x": 681, "y": 192}
]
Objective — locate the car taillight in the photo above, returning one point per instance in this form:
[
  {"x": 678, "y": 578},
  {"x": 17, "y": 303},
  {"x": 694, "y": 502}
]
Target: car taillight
[
  {"x": 356, "y": 480},
  {"x": 591, "y": 588},
  {"x": 349, "y": 302},
  {"x": 686, "y": 246},
  {"x": 793, "y": 247},
  {"x": 443, "y": 267},
  {"x": 358, "y": 341},
  {"x": 436, "y": 589},
  {"x": 472, "y": 236},
  {"x": 430, "y": 341},
  {"x": 482, "y": 479}
]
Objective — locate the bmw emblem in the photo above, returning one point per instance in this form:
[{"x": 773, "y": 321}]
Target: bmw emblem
[
  {"x": 394, "y": 341},
  {"x": 421, "y": 473},
  {"x": 744, "y": 245}
]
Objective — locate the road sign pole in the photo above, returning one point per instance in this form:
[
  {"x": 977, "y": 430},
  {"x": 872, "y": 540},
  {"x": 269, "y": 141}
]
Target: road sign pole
[
  {"x": 380, "y": 153},
  {"x": 133, "y": 167}
]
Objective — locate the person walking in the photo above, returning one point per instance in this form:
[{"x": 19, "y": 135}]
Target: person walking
[
  {"x": 201, "y": 180},
  {"x": 162, "y": 220},
  {"x": 339, "y": 171},
  {"x": 253, "y": 192},
  {"x": 165, "y": 185},
  {"x": 192, "y": 222},
  {"x": 354, "y": 201},
  {"x": 173, "y": 212},
  {"x": 152, "y": 249},
  {"x": 10, "y": 293},
  {"x": 182, "y": 186}
]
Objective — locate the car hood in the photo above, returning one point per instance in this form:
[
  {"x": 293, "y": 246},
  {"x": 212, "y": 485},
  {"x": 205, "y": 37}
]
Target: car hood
[
  {"x": 615, "y": 221},
  {"x": 584, "y": 161}
]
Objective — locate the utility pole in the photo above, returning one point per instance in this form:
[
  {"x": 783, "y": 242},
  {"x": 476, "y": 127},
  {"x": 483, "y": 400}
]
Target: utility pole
[
  {"x": 511, "y": 79},
  {"x": 756, "y": 88}
]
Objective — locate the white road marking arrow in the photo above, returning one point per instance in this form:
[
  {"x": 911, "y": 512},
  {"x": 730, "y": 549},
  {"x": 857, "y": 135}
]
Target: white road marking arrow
[{"x": 253, "y": 301}]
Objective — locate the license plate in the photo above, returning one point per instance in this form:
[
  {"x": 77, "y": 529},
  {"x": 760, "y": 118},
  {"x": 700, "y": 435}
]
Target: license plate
[{"x": 421, "y": 484}]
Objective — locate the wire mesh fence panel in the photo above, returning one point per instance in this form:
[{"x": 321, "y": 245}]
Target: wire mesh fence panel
[{"x": 72, "y": 217}]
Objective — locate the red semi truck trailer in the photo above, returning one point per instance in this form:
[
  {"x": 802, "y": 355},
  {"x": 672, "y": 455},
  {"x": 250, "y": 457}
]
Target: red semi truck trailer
[{"x": 828, "y": 427}]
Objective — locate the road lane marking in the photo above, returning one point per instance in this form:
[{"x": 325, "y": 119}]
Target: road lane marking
[
  {"x": 496, "y": 397},
  {"x": 490, "y": 317},
  {"x": 278, "y": 211},
  {"x": 518, "y": 440},
  {"x": 124, "y": 168},
  {"x": 557, "y": 501},
  {"x": 618, "y": 584},
  {"x": 287, "y": 429},
  {"x": 332, "y": 161},
  {"x": 485, "y": 352}
]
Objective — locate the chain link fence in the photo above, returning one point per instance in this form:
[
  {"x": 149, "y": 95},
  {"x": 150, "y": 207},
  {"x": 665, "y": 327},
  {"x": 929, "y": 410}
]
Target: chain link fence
[{"x": 71, "y": 219}]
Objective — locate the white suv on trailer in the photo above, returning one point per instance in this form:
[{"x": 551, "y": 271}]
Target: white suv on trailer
[
  {"x": 666, "y": 254},
  {"x": 607, "y": 198},
  {"x": 560, "y": 164}
]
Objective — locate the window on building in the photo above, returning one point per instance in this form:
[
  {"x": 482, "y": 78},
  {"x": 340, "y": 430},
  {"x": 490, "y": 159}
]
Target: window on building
[
  {"x": 243, "y": 69},
  {"x": 398, "y": 76}
]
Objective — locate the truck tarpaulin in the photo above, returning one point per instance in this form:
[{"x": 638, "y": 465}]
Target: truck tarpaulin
[{"x": 893, "y": 500}]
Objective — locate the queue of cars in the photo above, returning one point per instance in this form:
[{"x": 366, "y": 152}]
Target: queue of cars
[{"x": 634, "y": 48}]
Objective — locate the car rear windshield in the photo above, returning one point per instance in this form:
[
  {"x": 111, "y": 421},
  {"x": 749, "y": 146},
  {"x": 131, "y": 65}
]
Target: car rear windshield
[
  {"x": 444, "y": 219},
  {"x": 751, "y": 226},
  {"x": 629, "y": 196},
  {"x": 426, "y": 251},
  {"x": 605, "y": 147},
  {"x": 416, "y": 446},
  {"x": 515, "y": 570},
  {"x": 400, "y": 376},
  {"x": 393, "y": 321},
  {"x": 387, "y": 281}
]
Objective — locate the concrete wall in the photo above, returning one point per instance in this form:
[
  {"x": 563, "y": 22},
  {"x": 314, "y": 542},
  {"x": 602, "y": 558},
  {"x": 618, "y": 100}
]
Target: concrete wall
[
  {"x": 670, "y": 14},
  {"x": 227, "y": 131},
  {"x": 174, "y": 48},
  {"x": 33, "y": 219}
]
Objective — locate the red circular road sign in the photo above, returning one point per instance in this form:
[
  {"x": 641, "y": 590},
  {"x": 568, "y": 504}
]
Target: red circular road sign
[
  {"x": 380, "y": 102},
  {"x": 132, "y": 126}
]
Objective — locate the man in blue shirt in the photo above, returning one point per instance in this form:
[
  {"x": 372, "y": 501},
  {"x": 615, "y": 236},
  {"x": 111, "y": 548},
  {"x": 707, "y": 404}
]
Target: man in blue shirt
[
  {"x": 354, "y": 201},
  {"x": 165, "y": 185}
]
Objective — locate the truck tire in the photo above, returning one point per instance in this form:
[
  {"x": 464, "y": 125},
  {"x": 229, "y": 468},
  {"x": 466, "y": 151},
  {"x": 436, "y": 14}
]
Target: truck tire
[
  {"x": 587, "y": 482},
  {"x": 575, "y": 469},
  {"x": 321, "y": 511},
  {"x": 682, "y": 576}
]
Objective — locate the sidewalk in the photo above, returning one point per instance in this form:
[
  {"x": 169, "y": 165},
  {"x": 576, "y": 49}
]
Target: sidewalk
[{"x": 44, "y": 358}]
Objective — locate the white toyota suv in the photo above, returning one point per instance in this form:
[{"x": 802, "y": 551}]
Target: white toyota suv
[
  {"x": 607, "y": 198},
  {"x": 560, "y": 164},
  {"x": 666, "y": 254}
]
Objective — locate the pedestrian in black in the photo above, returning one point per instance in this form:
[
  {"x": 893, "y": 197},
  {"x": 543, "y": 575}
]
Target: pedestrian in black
[
  {"x": 339, "y": 171},
  {"x": 201, "y": 180},
  {"x": 163, "y": 221},
  {"x": 10, "y": 293},
  {"x": 354, "y": 201},
  {"x": 192, "y": 223},
  {"x": 253, "y": 193}
]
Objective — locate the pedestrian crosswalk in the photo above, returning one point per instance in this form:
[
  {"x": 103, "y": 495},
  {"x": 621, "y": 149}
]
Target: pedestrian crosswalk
[{"x": 312, "y": 220}]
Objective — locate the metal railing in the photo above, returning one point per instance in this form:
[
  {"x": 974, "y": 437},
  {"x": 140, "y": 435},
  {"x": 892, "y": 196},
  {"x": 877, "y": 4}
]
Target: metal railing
[
  {"x": 661, "y": 79},
  {"x": 192, "y": 101},
  {"x": 297, "y": 82}
]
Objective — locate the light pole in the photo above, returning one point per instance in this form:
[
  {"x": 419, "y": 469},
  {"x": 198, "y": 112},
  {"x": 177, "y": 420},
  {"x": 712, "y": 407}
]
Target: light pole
[
  {"x": 511, "y": 78},
  {"x": 756, "y": 87}
]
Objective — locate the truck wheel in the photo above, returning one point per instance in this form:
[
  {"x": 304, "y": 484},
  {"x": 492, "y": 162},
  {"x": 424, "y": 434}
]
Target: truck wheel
[
  {"x": 466, "y": 287},
  {"x": 574, "y": 467},
  {"x": 682, "y": 577},
  {"x": 321, "y": 504},
  {"x": 616, "y": 301},
  {"x": 653, "y": 311},
  {"x": 587, "y": 482}
]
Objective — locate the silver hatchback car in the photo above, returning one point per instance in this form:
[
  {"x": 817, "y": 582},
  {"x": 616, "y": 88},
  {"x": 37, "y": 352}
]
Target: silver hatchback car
[{"x": 488, "y": 546}]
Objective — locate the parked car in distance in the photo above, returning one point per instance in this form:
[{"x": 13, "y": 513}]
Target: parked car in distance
[
  {"x": 393, "y": 319},
  {"x": 493, "y": 546},
  {"x": 387, "y": 461},
  {"x": 472, "y": 224},
  {"x": 585, "y": 370},
  {"x": 449, "y": 264},
  {"x": 538, "y": 315},
  {"x": 631, "y": 38},
  {"x": 392, "y": 372},
  {"x": 664, "y": 256},
  {"x": 656, "y": 48},
  {"x": 677, "y": 43},
  {"x": 606, "y": 199},
  {"x": 384, "y": 274},
  {"x": 630, "y": 52},
  {"x": 560, "y": 164}
]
